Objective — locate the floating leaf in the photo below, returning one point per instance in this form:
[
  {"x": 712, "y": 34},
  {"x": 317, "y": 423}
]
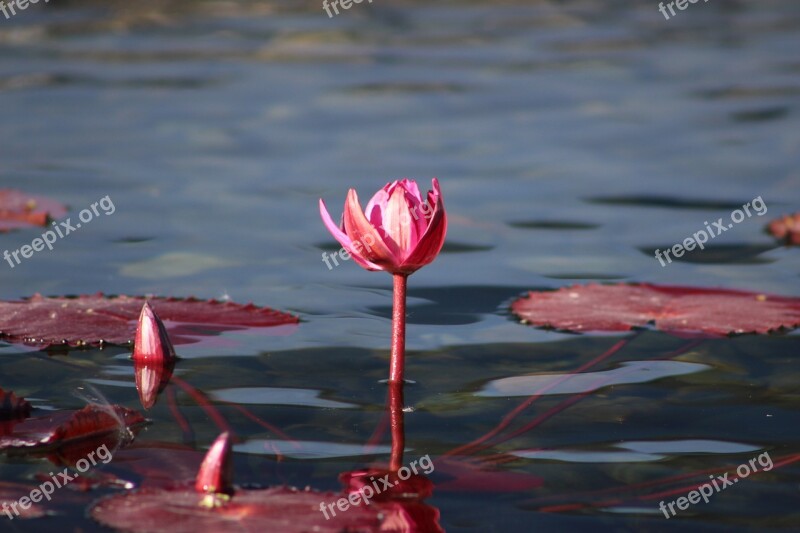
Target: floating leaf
[
  {"x": 10, "y": 493},
  {"x": 213, "y": 503},
  {"x": 12, "y": 411},
  {"x": 65, "y": 430},
  {"x": 22, "y": 210},
  {"x": 12, "y": 407},
  {"x": 786, "y": 229},
  {"x": 97, "y": 319},
  {"x": 281, "y": 509},
  {"x": 414, "y": 487},
  {"x": 401, "y": 500},
  {"x": 714, "y": 312}
]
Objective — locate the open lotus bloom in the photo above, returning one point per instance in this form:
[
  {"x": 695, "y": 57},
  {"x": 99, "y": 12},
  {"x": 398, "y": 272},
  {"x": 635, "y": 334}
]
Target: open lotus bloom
[{"x": 399, "y": 232}]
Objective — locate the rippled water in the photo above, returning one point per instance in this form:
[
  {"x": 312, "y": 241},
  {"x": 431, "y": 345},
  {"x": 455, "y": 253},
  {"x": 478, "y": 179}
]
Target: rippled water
[{"x": 571, "y": 139}]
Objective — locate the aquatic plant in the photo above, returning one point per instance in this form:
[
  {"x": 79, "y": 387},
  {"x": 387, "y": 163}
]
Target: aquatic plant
[{"x": 399, "y": 232}]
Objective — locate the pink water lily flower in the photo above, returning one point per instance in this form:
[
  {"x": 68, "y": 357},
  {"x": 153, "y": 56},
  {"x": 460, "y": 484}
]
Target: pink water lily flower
[{"x": 399, "y": 232}]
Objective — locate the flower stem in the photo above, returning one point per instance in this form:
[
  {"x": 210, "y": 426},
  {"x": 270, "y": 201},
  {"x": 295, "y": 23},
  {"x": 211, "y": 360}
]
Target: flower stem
[
  {"x": 396, "y": 371},
  {"x": 398, "y": 359},
  {"x": 396, "y": 416}
]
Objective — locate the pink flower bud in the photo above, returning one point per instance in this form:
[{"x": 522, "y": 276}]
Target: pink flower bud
[{"x": 216, "y": 473}]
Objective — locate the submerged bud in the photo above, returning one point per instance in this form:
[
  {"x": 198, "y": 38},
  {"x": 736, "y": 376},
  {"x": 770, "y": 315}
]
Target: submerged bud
[{"x": 215, "y": 476}]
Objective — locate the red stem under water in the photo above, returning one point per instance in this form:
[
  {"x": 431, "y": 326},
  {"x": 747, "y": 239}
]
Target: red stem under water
[
  {"x": 397, "y": 363},
  {"x": 204, "y": 403},
  {"x": 479, "y": 443},
  {"x": 396, "y": 415},
  {"x": 186, "y": 428}
]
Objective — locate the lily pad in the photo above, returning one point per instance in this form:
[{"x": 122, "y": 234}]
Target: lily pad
[
  {"x": 12, "y": 407},
  {"x": 94, "y": 320},
  {"x": 690, "y": 310},
  {"x": 213, "y": 503},
  {"x": 12, "y": 410},
  {"x": 282, "y": 509},
  {"x": 786, "y": 229},
  {"x": 22, "y": 210},
  {"x": 10, "y": 493},
  {"x": 63, "y": 428}
]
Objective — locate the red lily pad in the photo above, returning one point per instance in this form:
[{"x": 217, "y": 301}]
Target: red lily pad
[
  {"x": 10, "y": 493},
  {"x": 12, "y": 407},
  {"x": 401, "y": 501},
  {"x": 786, "y": 229},
  {"x": 415, "y": 487},
  {"x": 283, "y": 509},
  {"x": 691, "y": 310},
  {"x": 213, "y": 503},
  {"x": 12, "y": 410},
  {"x": 21, "y": 210},
  {"x": 71, "y": 431},
  {"x": 94, "y": 320}
]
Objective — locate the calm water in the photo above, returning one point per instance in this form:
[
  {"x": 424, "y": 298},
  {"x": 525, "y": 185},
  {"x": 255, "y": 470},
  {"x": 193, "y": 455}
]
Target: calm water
[{"x": 571, "y": 140}]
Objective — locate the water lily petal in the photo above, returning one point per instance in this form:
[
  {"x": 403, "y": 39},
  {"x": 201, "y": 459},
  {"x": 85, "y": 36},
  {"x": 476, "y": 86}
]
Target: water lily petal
[
  {"x": 431, "y": 242},
  {"x": 376, "y": 206},
  {"x": 344, "y": 240},
  {"x": 375, "y": 248},
  {"x": 398, "y": 224}
]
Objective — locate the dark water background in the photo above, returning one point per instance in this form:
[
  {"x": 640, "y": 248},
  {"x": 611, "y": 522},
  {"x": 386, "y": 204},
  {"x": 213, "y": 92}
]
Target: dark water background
[{"x": 571, "y": 140}]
